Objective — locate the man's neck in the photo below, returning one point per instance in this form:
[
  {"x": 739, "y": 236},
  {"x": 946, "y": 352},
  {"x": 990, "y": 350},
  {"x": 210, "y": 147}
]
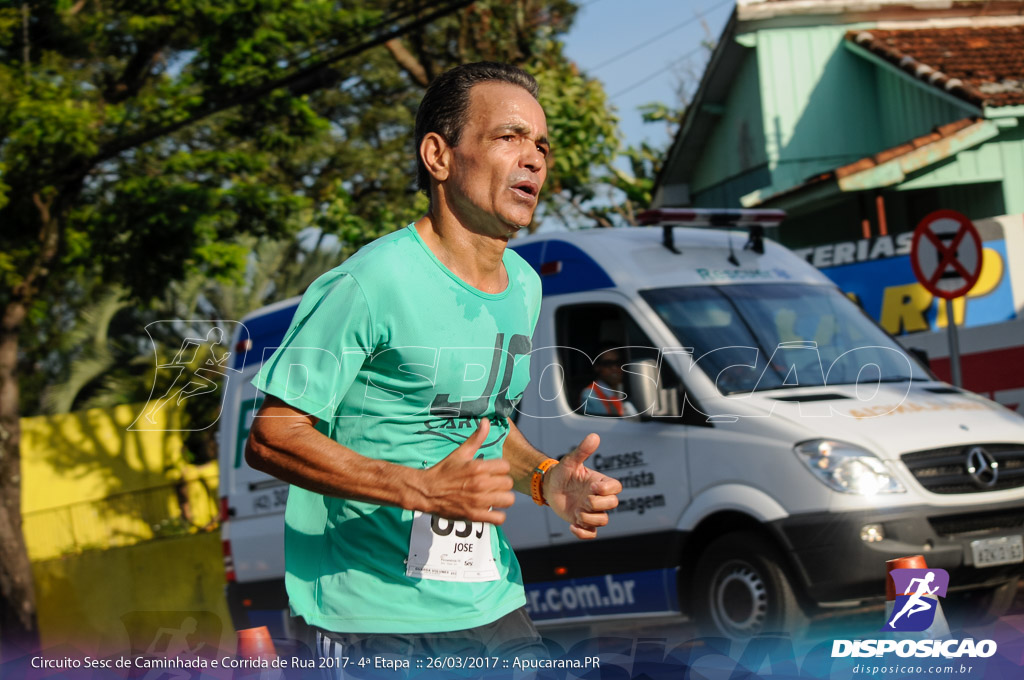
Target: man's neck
[
  {"x": 475, "y": 258},
  {"x": 612, "y": 386}
]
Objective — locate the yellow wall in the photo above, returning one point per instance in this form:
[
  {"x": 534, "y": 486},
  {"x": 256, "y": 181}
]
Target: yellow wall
[
  {"x": 113, "y": 601},
  {"x": 88, "y": 455},
  {"x": 92, "y": 479},
  {"x": 95, "y": 491}
]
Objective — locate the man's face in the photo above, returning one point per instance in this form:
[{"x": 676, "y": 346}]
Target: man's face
[
  {"x": 500, "y": 163},
  {"x": 609, "y": 369}
]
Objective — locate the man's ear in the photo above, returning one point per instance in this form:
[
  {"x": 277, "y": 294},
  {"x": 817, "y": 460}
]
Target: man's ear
[{"x": 436, "y": 155}]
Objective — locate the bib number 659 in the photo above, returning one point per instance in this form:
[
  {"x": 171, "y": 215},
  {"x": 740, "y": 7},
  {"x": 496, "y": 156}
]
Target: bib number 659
[{"x": 444, "y": 527}]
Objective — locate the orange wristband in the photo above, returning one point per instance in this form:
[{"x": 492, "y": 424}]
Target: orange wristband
[{"x": 537, "y": 481}]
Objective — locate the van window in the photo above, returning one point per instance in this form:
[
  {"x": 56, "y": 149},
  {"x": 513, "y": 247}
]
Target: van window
[
  {"x": 751, "y": 337},
  {"x": 584, "y": 332}
]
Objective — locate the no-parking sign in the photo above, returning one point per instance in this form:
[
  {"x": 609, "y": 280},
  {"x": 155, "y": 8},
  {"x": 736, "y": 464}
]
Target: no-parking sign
[{"x": 946, "y": 254}]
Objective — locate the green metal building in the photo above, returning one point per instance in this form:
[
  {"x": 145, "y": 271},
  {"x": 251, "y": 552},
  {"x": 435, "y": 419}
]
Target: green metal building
[
  {"x": 858, "y": 119},
  {"x": 796, "y": 92}
]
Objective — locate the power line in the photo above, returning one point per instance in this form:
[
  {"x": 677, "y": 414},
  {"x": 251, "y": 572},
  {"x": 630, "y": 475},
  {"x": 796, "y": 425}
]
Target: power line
[
  {"x": 652, "y": 39},
  {"x": 302, "y": 81},
  {"x": 658, "y": 72}
]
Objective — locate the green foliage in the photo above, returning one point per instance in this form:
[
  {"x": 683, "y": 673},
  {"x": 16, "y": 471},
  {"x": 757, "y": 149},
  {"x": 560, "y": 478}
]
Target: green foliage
[
  {"x": 108, "y": 364},
  {"x": 155, "y": 148},
  {"x": 98, "y": 76},
  {"x": 644, "y": 162},
  {"x": 628, "y": 190},
  {"x": 584, "y": 135},
  {"x": 134, "y": 154},
  {"x": 89, "y": 338}
]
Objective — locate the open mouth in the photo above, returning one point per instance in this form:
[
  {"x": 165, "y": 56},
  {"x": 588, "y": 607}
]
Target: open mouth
[{"x": 526, "y": 189}]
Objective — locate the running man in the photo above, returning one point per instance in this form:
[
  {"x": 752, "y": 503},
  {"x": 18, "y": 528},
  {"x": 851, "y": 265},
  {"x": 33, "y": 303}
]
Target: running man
[{"x": 388, "y": 406}]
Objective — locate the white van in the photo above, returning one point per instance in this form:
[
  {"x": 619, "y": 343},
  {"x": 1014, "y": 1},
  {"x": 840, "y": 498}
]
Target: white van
[{"x": 784, "y": 446}]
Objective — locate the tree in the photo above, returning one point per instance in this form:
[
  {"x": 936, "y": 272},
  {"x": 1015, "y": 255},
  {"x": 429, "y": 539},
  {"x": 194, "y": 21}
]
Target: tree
[
  {"x": 617, "y": 194},
  {"x": 138, "y": 139},
  {"x": 109, "y": 364},
  {"x": 645, "y": 162}
]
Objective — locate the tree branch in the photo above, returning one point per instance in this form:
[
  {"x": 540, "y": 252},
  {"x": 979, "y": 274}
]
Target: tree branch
[
  {"x": 304, "y": 80},
  {"x": 602, "y": 220},
  {"x": 135, "y": 73},
  {"x": 26, "y": 50},
  {"x": 426, "y": 59},
  {"x": 407, "y": 61},
  {"x": 48, "y": 248}
]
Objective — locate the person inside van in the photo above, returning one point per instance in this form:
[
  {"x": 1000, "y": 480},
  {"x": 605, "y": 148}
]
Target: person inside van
[
  {"x": 605, "y": 396},
  {"x": 388, "y": 404}
]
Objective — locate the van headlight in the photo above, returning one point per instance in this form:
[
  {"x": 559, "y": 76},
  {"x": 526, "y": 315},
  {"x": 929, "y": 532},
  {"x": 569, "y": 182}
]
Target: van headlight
[{"x": 847, "y": 468}]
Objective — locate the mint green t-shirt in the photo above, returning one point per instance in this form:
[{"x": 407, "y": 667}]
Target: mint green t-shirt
[{"x": 400, "y": 359}]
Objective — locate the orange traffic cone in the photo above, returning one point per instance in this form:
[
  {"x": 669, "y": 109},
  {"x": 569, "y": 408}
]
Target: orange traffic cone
[
  {"x": 939, "y": 629},
  {"x": 256, "y": 653}
]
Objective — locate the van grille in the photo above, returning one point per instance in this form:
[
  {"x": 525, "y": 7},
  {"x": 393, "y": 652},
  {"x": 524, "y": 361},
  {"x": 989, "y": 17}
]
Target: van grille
[
  {"x": 945, "y": 470},
  {"x": 952, "y": 525}
]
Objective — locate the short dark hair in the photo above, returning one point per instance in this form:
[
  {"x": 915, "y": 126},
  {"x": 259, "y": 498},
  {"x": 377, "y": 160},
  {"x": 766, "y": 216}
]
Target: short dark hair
[{"x": 445, "y": 105}]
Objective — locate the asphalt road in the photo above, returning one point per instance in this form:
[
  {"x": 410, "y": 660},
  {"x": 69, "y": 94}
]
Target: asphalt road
[{"x": 855, "y": 623}]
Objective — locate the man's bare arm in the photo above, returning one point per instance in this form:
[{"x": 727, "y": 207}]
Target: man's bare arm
[
  {"x": 577, "y": 494},
  {"x": 284, "y": 442},
  {"x": 522, "y": 458}
]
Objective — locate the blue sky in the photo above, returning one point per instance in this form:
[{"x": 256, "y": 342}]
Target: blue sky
[{"x": 641, "y": 49}]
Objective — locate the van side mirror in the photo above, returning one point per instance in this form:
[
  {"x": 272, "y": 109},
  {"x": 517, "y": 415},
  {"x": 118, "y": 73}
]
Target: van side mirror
[
  {"x": 644, "y": 382},
  {"x": 921, "y": 355}
]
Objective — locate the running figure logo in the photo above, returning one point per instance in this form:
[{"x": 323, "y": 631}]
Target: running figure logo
[
  {"x": 203, "y": 364},
  {"x": 917, "y": 593}
]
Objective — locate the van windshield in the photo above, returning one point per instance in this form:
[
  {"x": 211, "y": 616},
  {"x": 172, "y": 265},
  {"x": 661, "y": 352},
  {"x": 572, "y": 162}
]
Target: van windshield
[{"x": 753, "y": 337}]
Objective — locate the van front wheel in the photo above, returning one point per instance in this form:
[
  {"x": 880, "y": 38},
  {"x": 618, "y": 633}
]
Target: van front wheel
[{"x": 741, "y": 589}]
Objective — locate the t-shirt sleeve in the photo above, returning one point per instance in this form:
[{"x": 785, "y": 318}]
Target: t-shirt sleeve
[
  {"x": 529, "y": 281},
  {"x": 330, "y": 337}
]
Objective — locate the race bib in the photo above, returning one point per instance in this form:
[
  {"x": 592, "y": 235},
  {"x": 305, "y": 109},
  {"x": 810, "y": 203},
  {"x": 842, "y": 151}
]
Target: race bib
[{"x": 450, "y": 550}]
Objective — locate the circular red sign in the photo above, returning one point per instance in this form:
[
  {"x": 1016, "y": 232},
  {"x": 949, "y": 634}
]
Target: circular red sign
[{"x": 945, "y": 253}]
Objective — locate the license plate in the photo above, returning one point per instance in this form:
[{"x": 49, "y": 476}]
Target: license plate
[{"x": 990, "y": 552}]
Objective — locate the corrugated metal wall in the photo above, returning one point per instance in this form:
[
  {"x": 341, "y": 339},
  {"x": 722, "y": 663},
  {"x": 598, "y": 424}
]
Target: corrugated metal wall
[
  {"x": 907, "y": 110},
  {"x": 821, "y": 106},
  {"x": 1000, "y": 160},
  {"x": 818, "y": 104},
  {"x": 738, "y": 140}
]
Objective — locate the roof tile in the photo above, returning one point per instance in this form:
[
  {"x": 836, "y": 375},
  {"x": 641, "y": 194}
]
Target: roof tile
[
  {"x": 983, "y": 64},
  {"x": 939, "y": 133}
]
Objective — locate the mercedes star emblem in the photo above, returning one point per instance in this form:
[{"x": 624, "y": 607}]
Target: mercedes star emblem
[{"x": 982, "y": 467}]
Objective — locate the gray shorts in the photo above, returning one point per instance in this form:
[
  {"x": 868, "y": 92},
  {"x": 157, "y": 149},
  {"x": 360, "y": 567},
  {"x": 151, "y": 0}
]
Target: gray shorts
[{"x": 511, "y": 636}]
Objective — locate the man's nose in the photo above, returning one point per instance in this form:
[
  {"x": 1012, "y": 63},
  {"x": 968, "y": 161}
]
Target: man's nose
[{"x": 532, "y": 159}]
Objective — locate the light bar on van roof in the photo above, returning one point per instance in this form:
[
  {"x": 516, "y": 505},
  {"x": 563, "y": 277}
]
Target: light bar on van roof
[
  {"x": 754, "y": 220},
  {"x": 710, "y": 217}
]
